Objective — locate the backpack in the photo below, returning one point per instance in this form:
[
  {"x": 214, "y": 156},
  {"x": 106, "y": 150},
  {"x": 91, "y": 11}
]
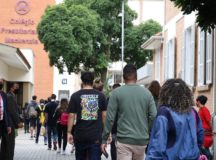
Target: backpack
[
  {"x": 32, "y": 112},
  {"x": 42, "y": 114},
  {"x": 64, "y": 118}
]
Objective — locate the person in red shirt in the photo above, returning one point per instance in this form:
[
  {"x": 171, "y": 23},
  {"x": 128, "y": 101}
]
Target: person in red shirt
[{"x": 205, "y": 117}]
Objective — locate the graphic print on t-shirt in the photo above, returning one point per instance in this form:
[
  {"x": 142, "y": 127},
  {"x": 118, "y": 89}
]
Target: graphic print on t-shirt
[{"x": 89, "y": 104}]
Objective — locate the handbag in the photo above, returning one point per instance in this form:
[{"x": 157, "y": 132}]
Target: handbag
[{"x": 202, "y": 157}]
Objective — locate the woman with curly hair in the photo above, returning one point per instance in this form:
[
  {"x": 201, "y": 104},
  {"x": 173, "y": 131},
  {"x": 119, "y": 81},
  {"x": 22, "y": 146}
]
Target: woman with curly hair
[{"x": 177, "y": 132}]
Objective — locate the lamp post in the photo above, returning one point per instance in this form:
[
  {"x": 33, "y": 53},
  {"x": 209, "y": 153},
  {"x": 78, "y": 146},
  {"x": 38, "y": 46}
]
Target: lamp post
[{"x": 122, "y": 37}]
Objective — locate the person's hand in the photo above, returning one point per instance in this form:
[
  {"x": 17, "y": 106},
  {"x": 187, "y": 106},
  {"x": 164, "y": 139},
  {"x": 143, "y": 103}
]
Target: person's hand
[
  {"x": 70, "y": 138},
  {"x": 20, "y": 125},
  {"x": 9, "y": 130},
  {"x": 103, "y": 148},
  {"x": 109, "y": 140}
]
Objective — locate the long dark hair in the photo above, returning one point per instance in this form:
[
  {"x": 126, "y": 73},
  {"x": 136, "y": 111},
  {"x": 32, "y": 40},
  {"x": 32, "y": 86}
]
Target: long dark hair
[
  {"x": 63, "y": 105},
  {"x": 176, "y": 95}
]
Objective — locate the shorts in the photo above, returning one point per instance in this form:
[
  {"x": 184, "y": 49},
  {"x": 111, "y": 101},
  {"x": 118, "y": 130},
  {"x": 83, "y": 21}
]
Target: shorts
[{"x": 32, "y": 122}]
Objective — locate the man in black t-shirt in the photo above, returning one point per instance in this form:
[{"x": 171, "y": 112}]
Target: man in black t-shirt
[
  {"x": 90, "y": 107},
  {"x": 51, "y": 125}
]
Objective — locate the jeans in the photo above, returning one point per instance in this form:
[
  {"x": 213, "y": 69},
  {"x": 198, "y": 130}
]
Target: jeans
[
  {"x": 26, "y": 125},
  {"x": 38, "y": 133},
  {"x": 52, "y": 133},
  {"x": 62, "y": 132},
  {"x": 93, "y": 150},
  {"x": 113, "y": 147}
]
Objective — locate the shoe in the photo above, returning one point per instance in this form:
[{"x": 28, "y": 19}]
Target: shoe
[
  {"x": 49, "y": 149},
  {"x": 45, "y": 143},
  {"x": 55, "y": 146},
  {"x": 63, "y": 152},
  {"x": 31, "y": 137},
  {"x": 36, "y": 142},
  {"x": 59, "y": 151}
]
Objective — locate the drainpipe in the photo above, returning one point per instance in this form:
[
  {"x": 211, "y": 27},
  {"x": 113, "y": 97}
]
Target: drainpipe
[{"x": 214, "y": 97}]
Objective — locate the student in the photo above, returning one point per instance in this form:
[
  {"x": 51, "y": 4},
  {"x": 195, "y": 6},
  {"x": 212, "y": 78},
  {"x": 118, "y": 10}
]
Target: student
[
  {"x": 205, "y": 117},
  {"x": 177, "y": 131},
  {"x": 135, "y": 110},
  {"x": 51, "y": 125},
  {"x": 90, "y": 107},
  {"x": 41, "y": 121},
  {"x": 61, "y": 116}
]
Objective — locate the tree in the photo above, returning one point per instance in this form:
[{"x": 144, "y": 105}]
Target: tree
[
  {"x": 205, "y": 11},
  {"x": 135, "y": 37},
  {"x": 69, "y": 35},
  {"x": 88, "y": 32}
]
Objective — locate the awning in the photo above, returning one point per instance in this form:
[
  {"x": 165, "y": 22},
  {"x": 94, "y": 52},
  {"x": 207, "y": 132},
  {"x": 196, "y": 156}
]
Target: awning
[
  {"x": 13, "y": 57},
  {"x": 153, "y": 43}
]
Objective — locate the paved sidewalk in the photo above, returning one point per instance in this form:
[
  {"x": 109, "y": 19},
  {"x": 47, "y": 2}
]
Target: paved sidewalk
[{"x": 26, "y": 149}]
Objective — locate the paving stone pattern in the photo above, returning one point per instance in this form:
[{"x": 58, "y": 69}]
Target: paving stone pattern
[{"x": 26, "y": 149}]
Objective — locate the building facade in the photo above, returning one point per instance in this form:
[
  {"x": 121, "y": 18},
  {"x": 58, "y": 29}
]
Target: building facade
[{"x": 182, "y": 50}]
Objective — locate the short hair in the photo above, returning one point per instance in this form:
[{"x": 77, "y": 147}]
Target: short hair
[
  {"x": 87, "y": 78},
  {"x": 202, "y": 99},
  {"x": 116, "y": 85},
  {"x": 11, "y": 85},
  {"x": 34, "y": 97},
  {"x": 130, "y": 72},
  {"x": 42, "y": 101},
  {"x": 176, "y": 95},
  {"x": 53, "y": 96}
]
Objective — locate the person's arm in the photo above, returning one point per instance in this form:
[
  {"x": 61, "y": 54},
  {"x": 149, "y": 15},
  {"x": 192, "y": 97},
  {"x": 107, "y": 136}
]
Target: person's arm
[
  {"x": 158, "y": 141},
  {"x": 110, "y": 117},
  {"x": 152, "y": 111},
  {"x": 72, "y": 110},
  {"x": 6, "y": 114},
  {"x": 13, "y": 111},
  {"x": 103, "y": 117},
  {"x": 71, "y": 118},
  {"x": 207, "y": 116}
]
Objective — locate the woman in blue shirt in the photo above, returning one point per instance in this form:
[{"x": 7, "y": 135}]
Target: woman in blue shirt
[{"x": 177, "y": 132}]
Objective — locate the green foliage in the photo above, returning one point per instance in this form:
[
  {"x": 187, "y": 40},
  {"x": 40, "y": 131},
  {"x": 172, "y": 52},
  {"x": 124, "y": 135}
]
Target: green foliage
[
  {"x": 205, "y": 11},
  {"x": 69, "y": 34},
  {"x": 135, "y": 37},
  {"x": 88, "y": 33}
]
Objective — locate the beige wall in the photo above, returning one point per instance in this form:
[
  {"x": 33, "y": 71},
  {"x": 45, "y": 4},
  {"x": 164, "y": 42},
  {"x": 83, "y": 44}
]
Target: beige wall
[
  {"x": 170, "y": 11},
  {"x": 27, "y": 92}
]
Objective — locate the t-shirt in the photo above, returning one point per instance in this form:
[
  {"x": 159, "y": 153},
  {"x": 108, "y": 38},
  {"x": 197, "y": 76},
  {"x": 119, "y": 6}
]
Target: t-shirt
[
  {"x": 88, "y": 104},
  {"x": 50, "y": 110}
]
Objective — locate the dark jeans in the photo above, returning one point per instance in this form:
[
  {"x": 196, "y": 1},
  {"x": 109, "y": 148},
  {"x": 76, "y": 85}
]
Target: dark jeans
[
  {"x": 38, "y": 132},
  {"x": 51, "y": 132},
  {"x": 7, "y": 145},
  {"x": 93, "y": 150},
  {"x": 113, "y": 148},
  {"x": 62, "y": 133},
  {"x": 26, "y": 125}
]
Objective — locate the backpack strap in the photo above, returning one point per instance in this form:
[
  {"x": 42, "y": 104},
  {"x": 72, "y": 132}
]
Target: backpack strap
[{"x": 171, "y": 135}]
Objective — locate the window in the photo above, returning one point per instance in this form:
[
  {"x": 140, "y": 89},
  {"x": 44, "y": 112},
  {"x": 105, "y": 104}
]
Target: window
[
  {"x": 205, "y": 58},
  {"x": 169, "y": 60},
  {"x": 157, "y": 64},
  {"x": 188, "y": 49}
]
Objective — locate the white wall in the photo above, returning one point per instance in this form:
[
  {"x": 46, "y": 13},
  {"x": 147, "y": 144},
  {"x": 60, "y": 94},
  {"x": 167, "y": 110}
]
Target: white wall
[
  {"x": 73, "y": 82},
  {"x": 4, "y": 70},
  {"x": 148, "y": 9}
]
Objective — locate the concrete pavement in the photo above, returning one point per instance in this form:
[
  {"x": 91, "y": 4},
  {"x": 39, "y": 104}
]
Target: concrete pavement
[{"x": 26, "y": 149}]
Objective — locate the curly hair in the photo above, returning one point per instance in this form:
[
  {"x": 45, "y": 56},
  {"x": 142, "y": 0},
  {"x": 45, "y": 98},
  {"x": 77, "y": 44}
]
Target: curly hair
[{"x": 176, "y": 95}]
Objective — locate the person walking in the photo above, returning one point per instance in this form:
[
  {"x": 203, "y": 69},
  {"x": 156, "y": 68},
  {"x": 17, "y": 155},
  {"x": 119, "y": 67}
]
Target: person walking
[
  {"x": 205, "y": 117},
  {"x": 8, "y": 140},
  {"x": 177, "y": 131},
  {"x": 61, "y": 116},
  {"x": 26, "y": 118},
  {"x": 90, "y": 107},
  {"x": 4, "y": 119},
  {"x": 41, "y": 125},
  {"x": 154, "y": 88},
  {"x": 31, "y": 109},
  {"x": 135, "y": 110},
  {"x": 51, "y": 125}
]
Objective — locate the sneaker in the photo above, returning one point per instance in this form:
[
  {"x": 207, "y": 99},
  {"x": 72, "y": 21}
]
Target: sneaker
[
  {"x": 63, "y": 152},
  {"x": 45, "y": 143},
  {"x": 49, "y": 149},
  {"x": 55, "y": 146},
  {"x": 31, "y": 137},
  {"x": 36, "y": 142},
  {"x": 59, "y": 151}
]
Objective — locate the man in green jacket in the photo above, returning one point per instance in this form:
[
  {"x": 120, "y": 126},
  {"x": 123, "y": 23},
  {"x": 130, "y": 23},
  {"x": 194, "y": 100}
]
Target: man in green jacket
[{"x": 136, "y": 111}]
